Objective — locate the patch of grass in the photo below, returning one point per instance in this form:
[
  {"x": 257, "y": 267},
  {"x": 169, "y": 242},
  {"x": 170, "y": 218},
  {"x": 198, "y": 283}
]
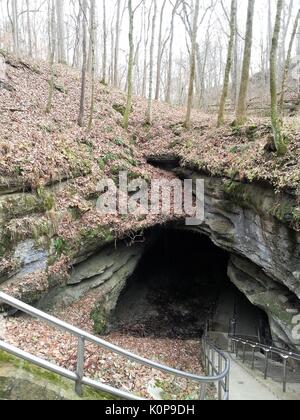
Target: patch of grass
[{"x": 60, "y": 246}]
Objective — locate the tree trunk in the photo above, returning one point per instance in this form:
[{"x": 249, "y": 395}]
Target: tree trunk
[
  {"x": 93, "y": 58},
  {"x": 276, "y": 124},
  {"x": 192, "y": 65},
  {"x": 151, "y": 65},
  {"x": 61, "y": 32},
  {"x": 270, "y": 30},
  {"x": 235, "y": 67},
  {"x": 170, "y": 61},
  {"x": 228, "y": 63},
  {"x": 159, "y": 53},
  {"x": 242, "y": 106},
  {"x": 288, "y": 62},
  {"x": 77, "y": 39},
  {"x": 52, "y": 36},
  {"x": 146, "y": 40},
  {"x": 130, "y": 67},
  {"x": 117, "y": 45},
  {"x": 83, "y": 4},
  {"x": 29, "y": 30},
  {"x": 15, "y": 26},
  {"x": 104, "y": 57}
]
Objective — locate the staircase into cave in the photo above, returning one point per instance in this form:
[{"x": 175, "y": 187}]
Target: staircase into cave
[
  {"x": 235, "y": 314},
  {"x": 216, "y": 363}
]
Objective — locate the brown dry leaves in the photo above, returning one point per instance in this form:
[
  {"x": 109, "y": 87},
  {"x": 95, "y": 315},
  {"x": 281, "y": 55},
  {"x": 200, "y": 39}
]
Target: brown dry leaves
[{"x": 53, "y": 345}]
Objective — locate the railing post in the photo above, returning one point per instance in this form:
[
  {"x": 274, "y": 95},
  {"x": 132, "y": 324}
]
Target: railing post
[
  {"x": 244, "y": 352},
  {"x": 202, "y": 392},
  {"x": 80, "y": 366},
  {"x": 227, "y": 386},
  {"x": 220, "y": 372},
  {"x": 285, "y": 359},
  {"x": 237, "y": 349},
  {"x": 267, "y": 363},
  {"x": 213, "y": 362},
  {"x": 253, "y": 358},
  {"x": 204, "y": 346}
]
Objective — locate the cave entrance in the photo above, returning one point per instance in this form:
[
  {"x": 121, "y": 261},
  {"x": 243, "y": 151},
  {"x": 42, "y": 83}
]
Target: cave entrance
[{"x": 179, "y": 284}]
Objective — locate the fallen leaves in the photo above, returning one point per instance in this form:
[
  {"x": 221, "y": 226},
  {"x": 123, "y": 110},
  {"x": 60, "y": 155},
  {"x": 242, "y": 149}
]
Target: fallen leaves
[{"x": 56, "y": 346}]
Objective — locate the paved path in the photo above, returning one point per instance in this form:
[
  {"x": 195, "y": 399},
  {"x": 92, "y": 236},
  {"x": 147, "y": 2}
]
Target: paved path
[{"x": 244, "y": 386}]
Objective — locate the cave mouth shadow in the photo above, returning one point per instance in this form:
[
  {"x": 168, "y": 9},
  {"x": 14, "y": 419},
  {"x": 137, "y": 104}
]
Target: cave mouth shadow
[{"x": 175, "y": 288}]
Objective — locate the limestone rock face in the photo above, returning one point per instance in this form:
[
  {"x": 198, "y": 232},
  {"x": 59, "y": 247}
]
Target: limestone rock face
[
  {"x": 105, "y": 273},
  {"x": 278, "y": 303},
  {"x": 255, "y": 226},
  {"x": 255, "y": 223}
]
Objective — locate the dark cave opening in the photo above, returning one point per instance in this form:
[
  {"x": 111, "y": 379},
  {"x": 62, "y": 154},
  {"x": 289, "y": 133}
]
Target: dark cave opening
[{"x": 180, "y": 283}]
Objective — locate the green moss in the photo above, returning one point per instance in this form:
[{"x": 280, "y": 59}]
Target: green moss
[
  {"x": 234, "y": 149},
  {"x": 26, "y": 204},
  {"x": 101, "y": 164},
  {"x": 121, "y": 109},
  {"x": 99, "y": 318},
  {"x": 81, "y": 162},
  {"x": 238, "y": 193},
  {"x": 6, "y": 243},
  {"x": 47, "y": 199},
  {"x": 90, "y": 238},
  {"x": 60, "y": 246},
  {"x": 286, "y": 211},
  {"x": 57, "y": 385},
  {"x": 120, "y": 142}
]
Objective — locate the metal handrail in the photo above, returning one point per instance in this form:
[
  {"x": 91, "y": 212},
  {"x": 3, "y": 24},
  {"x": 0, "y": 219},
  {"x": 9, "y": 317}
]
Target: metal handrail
[
  {"x": 83, "y": 337},
  {"x": 268, "y": 350}
]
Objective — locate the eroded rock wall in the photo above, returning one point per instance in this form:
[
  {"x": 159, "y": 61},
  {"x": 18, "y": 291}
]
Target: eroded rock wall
[{"x": 258, "y": 229}]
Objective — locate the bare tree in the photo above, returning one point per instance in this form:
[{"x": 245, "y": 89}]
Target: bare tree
[
  {"x": 159, "y": 52},
  {"x": 288, "y": 62},
  {"x": 93, "y": 57},
  {"x": 131, "y": 13},
  {"x": 76, "y": 48},
  {"x": 14, "y": 20},
  {"x": 241, "y": 106},
  {"x": 192, "y": 64},
  {"x": 61, "y": 32},
  {"x": 83, "y": 4},
  {"x": 228, "y": 63},
  {"x": 276, "y": 124},
  {"x": 130, "y": 65},
  {"x": 52, "y": 36},
  {"x": 104, "y": 55},
  {"x": 151, "y": 66},
  {"x": 170, "y": 61},
  {"x": 117, "y": 45},
  {"x": 30, "y": 52},
  {"x": 146, "y": 28}
]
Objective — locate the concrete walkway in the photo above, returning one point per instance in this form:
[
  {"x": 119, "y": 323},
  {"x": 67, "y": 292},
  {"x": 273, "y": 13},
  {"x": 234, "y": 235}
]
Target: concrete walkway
[
  {"x": 248, "y": 384},
  {"x": 245, "y": 387}
]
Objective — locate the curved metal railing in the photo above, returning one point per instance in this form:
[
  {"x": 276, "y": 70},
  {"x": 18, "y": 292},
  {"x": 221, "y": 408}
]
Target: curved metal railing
[
  {"x": 218, "y": 371},
  {"x": 268, "y": 351}
]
